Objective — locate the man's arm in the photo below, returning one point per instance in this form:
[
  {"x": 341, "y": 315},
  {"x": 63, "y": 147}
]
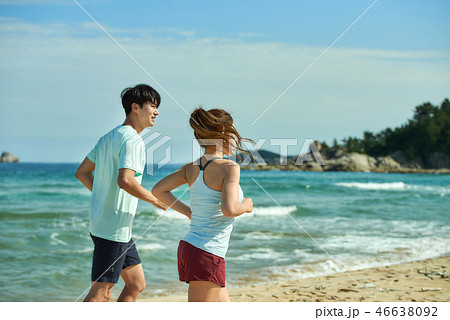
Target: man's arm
[
  {"x": 84, "y": 173},
  {"x": 127, "y": 182}
]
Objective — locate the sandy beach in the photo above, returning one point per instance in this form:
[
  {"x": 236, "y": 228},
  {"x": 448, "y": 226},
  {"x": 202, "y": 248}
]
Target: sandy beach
[{"x": 426, "y": 280}]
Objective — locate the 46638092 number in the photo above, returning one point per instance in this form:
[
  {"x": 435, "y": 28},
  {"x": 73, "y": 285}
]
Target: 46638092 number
[{"x": 409, "y": 311}]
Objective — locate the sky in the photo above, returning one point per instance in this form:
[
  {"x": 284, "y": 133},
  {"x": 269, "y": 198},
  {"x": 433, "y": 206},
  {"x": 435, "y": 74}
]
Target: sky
[{"x": 61, "y": 74}]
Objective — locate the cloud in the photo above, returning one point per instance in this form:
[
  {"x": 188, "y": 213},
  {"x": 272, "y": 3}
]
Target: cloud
[
  {"x": 45, "y": 2},
  {"x": 28, "y": 2},
  {"x": 64, "y": 82}
]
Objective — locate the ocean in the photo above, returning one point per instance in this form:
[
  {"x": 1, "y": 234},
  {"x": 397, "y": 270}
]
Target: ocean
[{"x": 301, "y": 221}]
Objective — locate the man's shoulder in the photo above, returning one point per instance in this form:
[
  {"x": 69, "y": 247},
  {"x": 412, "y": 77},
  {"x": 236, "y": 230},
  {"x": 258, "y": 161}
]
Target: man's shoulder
[
  {"x": 121, "y": 134},
  {"x": 124, "y": 133},
  {"x": 127, "y": 135},
  {"x": 111, "y": 133},
  {"x": 127, "y": 132}
]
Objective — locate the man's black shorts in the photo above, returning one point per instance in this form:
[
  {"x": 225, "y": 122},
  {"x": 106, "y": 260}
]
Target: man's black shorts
[{"x": 110, "y": 258}]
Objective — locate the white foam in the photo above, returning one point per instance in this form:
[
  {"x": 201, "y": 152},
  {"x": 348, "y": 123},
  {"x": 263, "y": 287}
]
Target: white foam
[
  {"x": 56, "y": 240},
  {"x": 258, "y": 253},
  {"x": 348, "y": 262},
  {"x": 149, "y": 247},
  {"x": 257, "y": 211},
  {"x": 85, "y": 250},
  {"x": 373, "y": 185},
  {"x": 170, "y": 214},
  {"x": 396, "y": 186},
  {"x": 257, "y": 235},
  {"x": 269, "y": 211}
]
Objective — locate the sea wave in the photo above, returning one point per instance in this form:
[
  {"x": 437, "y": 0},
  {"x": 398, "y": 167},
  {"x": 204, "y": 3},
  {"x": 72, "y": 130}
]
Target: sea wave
[
  {"x": 394, "y": 186},
  {"x": 55, "y": 240},
  {"x": 257, "y": 253},
  {"x": 263, "y": 235},
  {"x": 170, "y": 214},
  {"x": 4, "y": 215},
  {"x": 257, "y": 211},
  {"x": 150, "y": 247},
  {"x": 269, "y": 211},
  {"x": 313, "y": 265}
]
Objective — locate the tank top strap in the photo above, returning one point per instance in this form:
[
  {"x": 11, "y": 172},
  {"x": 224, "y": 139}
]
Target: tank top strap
[{"x": 206, "y": 164}]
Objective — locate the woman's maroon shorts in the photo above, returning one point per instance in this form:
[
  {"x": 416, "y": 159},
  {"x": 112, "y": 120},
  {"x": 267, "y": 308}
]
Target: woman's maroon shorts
[{"x": 195, "y": 264}]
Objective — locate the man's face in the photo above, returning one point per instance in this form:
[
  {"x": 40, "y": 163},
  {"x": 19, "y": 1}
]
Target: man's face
[{"x": 147, "y": 114}]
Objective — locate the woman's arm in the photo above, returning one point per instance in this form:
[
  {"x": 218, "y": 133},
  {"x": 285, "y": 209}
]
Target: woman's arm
[
  {"x": 162, "y": 190},
  {"x": 84, "y": 173},
  {"x": 230, "y": 193}
]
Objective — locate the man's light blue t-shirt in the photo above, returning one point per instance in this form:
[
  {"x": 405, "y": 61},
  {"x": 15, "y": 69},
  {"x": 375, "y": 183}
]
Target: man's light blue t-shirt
[{"x": 113, "y": 209}]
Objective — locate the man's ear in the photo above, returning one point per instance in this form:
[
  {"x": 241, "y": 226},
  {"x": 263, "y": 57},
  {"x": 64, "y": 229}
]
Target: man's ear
[{"x": 135, "y": 107}]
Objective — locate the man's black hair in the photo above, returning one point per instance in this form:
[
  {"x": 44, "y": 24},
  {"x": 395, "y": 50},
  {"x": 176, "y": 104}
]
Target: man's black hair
[{"x": 140, "y": 94}]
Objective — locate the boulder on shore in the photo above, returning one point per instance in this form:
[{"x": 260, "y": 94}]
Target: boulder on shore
[
  {"x": 8, "y": 157},
  {"x": 387, "y": 163},
  {"x": 351, "y": 162}
]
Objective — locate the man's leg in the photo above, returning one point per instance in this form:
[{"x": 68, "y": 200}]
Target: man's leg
[
  {"x": 100, "y": 292},
  {"x": 134, "y": 283}
]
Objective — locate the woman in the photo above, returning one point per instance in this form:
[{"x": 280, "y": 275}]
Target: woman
[{"x": 216, "y": 198}]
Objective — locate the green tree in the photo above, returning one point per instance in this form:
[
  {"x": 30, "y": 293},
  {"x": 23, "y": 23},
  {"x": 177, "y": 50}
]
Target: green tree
[{"x": 427, "y": 132}]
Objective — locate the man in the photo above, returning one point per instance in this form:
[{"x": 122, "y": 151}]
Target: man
[{"x": 118, "y": 159}]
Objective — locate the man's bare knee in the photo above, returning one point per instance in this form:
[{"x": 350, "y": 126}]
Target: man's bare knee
[{"x": 136, "y": 286}]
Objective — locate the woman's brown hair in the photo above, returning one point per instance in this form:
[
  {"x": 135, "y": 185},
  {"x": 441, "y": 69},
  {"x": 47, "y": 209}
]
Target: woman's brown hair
[{"x": 217, "y": 124}]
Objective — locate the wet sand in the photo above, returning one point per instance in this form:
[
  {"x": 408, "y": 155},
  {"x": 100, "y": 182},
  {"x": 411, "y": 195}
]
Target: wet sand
[{"x": 426, "y": 280}]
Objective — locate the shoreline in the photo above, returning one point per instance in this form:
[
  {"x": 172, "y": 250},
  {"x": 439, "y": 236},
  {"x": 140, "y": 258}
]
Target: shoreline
[
  {"x": 416, "y": 281},
  {"x": 317, "y": 169}
]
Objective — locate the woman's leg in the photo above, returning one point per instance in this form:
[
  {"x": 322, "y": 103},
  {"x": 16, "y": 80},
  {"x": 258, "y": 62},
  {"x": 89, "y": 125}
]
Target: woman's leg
[
  {"x": 203, "y": 291},
  {"x": 224, "y": 297}
]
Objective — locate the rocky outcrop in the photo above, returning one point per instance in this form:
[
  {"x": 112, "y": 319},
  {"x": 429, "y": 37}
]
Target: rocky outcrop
[
  {"x": 8, "y": 157},
  {"x": 406, "y": 161},
  {"x": 332, "y": 153},
  {"x": 387, "y": 163},
  {"x": 351, "y": 162},
  {"x": 438, "y": 160},
  {"x": 338, "y": 160}
]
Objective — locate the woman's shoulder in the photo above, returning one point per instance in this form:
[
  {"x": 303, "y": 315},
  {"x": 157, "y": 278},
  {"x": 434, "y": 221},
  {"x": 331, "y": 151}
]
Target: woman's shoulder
[
  {"x": 225, "y": 162},
  {"x": 228, "y": 166}
]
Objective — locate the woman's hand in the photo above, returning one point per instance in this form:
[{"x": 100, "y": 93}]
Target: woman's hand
[{"x": 248, "y": 203}]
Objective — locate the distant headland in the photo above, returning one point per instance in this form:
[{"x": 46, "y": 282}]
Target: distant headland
[
  {"x": 8, "y": 157},
  {"x": 422, "y": 145},
  {"x": 336, "y": 159}
]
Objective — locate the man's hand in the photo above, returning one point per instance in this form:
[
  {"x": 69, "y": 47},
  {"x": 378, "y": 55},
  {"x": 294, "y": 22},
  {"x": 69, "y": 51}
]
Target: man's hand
[{"x": 159, "y": 204}]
